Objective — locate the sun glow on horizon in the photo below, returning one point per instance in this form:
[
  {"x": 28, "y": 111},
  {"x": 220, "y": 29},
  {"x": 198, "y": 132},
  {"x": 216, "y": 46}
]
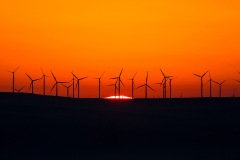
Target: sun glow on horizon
[{"x": 117, "y": 97}]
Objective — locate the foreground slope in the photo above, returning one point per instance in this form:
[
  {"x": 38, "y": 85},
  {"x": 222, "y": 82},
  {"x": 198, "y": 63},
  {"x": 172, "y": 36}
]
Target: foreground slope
[{"x": 34, "y": 126}]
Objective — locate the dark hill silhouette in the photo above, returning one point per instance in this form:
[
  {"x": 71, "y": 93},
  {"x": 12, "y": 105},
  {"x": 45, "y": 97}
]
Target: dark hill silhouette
[{"x": 47, "y": 127}]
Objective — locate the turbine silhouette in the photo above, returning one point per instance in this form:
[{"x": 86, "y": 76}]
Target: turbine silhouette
[
  {"x": 73, "y": 79},
  {"x": 13, "y": 77},
  {"x": 164, "y": 83},
  {"x": 132, "y": 79},
  {"x": 99, "y": 85},
  {"x": 78, "y": 83},
  {"x": 201, "y": 76},
  {"x": 119, "y": 82},
  {"x": 115, "y": 88},
  {"x": 146, "y": 87},
  {"x": 67, "y": 87},
  {"x": 56, "y": 84},
  {"x": 170, "y": 86},
  {"x": 32, "y": 82},
  {"x": 220, "y": 87},
  {"x": 19, "y": 90},
  {"x": 44, "y": 82},
  {"x": 210, "y": 82}
]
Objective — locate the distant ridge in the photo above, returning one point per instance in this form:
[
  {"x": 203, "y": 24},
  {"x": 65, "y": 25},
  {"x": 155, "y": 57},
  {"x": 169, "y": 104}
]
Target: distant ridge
[{"x": 23, "y": 99}]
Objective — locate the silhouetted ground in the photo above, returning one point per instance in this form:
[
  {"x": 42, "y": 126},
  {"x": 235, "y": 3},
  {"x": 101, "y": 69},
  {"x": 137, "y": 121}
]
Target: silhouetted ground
[{"x": 45, "y": 127}]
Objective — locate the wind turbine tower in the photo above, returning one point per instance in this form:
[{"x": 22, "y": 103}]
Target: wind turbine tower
[
  {"x": 201, "y": 77},
  {"x": 32, "y": 82},
  {"x": 146, "y": 87},
  {"x": 13, "y": 78}
]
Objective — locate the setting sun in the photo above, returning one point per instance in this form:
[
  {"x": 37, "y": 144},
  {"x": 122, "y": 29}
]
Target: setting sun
[{"x": 117, "y": 97}]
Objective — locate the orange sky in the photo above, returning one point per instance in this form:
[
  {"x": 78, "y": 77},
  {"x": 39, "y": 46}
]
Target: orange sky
[{"x": 88, "y": 37}]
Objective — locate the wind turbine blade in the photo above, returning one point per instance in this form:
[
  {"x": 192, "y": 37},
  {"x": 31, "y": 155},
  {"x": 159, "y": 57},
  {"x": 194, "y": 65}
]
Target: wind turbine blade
[
  {"x": 37, "y": 79},
  {"x": 215, "y": 82},
  {"x": 210, "y": 75},
  {"x": 163, "y": 81},
  {"x": 134, "y": 75},
  {"x": 16, "y": 69},
  {"x": 74, "y": 75},
  {"x": 62, "y": 82},
  {"x": 204, "y": 74},
  {"x": 28, "y": 76},
  {"x": 114, "y": 78},
  {"x": 102, "y": 75},
  {"x": 83, "y": 78},
  {"x": 162, "y": 73},
  {"x": 140, "y": 86},
  {"x": 53, "y": 87},
  {"x": 54, "y": 76},
  {"x": 77, "y": 85},
  {"x": 223, "y": 81},
  {"x": 196, "y": 75},
  {"x": 151, "y": 88},
  {"x": 21, "y": 88},
  {"x": 121, "y": 82},
  {"x": 30, "y": 86},
  {"x": 169, "y": 76},
  {"x": 42, "y": 71},
  {"x": 121, "y": 73},
  {"x": 64, "y": 85}
]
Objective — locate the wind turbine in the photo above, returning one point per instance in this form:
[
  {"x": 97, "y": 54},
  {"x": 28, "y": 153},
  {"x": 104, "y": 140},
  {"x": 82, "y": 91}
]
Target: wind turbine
[
  {"x": 119, "y": 82},
  {"x": 170, "y": 86},
  {"x": 220, "y": 87},
  {"x": 44, "y": 82},
  {"x": 146, "y": 86},
  {"x": 115, "y": 88},
  {"x": 210, "y": 82},
  {"x": 99, "y": 85},
  {"x": 56, "y": 84},
  {"x": 73, "y": 79},
  {"x": 201, "y": 76},
  {"x": 132, "y": 79},
  {"x": 78, "y": 83},
  {"x": 164, "y": 83},
  {"x": 19, "y": 90},
  {"x": 32, "y": 82},
  {"x": 13, "y": 76},
  {"x": 67, "y": 87}
]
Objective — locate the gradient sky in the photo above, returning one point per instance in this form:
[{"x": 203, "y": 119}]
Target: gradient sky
[{"x": 88, "y": 37}]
